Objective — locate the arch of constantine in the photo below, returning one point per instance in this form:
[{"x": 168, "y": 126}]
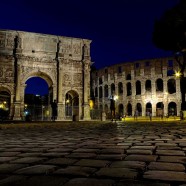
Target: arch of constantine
[
  {"x": 148, "y": 86},
  {"x": 63, "y": 62}
]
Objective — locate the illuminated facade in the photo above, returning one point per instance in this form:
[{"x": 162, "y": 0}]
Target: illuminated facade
[
  {"x": 63, "y": 62},
  {"x": 148, "y": 86}
]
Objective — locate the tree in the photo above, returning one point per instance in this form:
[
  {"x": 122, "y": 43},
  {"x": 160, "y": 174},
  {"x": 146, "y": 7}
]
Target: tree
[{"x": 170, "y": 34}]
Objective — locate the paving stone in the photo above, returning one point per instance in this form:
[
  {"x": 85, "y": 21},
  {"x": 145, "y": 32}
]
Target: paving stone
[
  {"x": 37, "y": 169},
  {"x": 124, "y": 144},
  {"x": 76, "y": 170},
  {"x": 168, "y": 148},
  {"x": 139, "y": 151},
  {"x": 29, "y": 154},
  {"x": 111, "y": 151},
  {"x": 93, "y": 163},
  {"x": 81, "y": 155},
  {"x": 21, "y": 149},
  {"x": 86, "y": 150},
  {"x": 148, "y": 143},
  {"x": 170, "y": 152},
  {"x": 8, "y": 154},
  {"x": 182, "y": 144},
  {"x": 28, "y": 160},
  {"x": 67, "y": 150},
  {"x": 152, "y": 137},
  {"x": 129, "y": 164},
  {"x": 144, "y": 158},
  {"x": 90, "y": 182},
  {"x": 12, "y": 180},
  {"x": 6, "y": 159},
  {"x": 174, "y": 159},
  {"x": 54, "y": 154},
  {"x": 111, "y": 156},
  {"x": 39, "y": 149},
  {"x": 166, "y": 166},
  {"x": 150, "y": 147},
  {"x": 61, "y": 161},
  {"x": 117, "y": 172},
  {"x": 9, "y": 168},
  {"x": 165, "y": 175},
  {"x": 166, "y": 144},
  {"x": 43, "y": 181},
  {"x": 135, "y": 137},
  {"x": 140, "y": 183}
]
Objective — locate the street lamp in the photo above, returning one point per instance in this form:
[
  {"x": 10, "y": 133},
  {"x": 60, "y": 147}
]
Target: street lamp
[{"x": 177, "y": 74}]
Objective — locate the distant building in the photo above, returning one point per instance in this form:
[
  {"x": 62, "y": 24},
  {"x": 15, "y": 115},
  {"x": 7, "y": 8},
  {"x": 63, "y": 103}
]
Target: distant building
[
  {"x": 148, "y": 86},
  {"x": 63, "y": 62}
]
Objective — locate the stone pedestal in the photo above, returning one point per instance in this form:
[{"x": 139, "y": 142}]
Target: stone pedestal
[{"x": 17, "y": 111}]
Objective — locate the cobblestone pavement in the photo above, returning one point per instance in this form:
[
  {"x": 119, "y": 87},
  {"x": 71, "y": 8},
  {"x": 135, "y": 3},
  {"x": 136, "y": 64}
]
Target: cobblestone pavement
[{"x": 93, "y": 154}]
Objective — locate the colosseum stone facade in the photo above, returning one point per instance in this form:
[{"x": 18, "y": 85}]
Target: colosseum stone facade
[
  {"x": 145, "y": 86},
  {"x": 63, "y": 62}
]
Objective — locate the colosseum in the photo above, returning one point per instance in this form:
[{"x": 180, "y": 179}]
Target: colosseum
[{"x": 144, "y": 86}]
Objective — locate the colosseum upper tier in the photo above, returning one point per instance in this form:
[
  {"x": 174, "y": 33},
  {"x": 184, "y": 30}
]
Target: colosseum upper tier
[{"x": 145, "y": 86}]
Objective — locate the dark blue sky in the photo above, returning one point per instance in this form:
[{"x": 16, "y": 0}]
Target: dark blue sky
[{"x": 120, "y": 30}]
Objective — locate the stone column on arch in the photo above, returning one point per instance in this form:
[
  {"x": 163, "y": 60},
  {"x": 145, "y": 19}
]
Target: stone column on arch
[
  {"x": 86, "y": 106},
  {"x": 17, "y": 102},
  {"x": 60, "y": 94}
]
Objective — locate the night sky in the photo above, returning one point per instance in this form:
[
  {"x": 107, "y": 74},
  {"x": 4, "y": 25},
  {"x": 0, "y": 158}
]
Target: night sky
[{"x": 120, "y": 30}]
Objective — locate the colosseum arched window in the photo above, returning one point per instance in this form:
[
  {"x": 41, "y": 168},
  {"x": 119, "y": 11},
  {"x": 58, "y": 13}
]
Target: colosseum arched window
[
  {"x": 100, "y": 81},
  {"x": 139, "y": 109},
  {"x": 129, "y": 109},
  {"x": 159, "y": 109},
  {"x": 138, "y": 87},
  {"x": 128, "y": 77},
  {"x": 159, "y": 85},
  {"x": 120, "y": 110},
  {"x": 106, "y": 91},
  {"x": 112, "y": 88},
  {"x": 129, "y": 89},
  {"x": 120, "y": 88},
  {"x": 171, "y": 86},
  {"x": 148, "y": 85},
  {"x": 148, "y": 108},
  {"x": 172, "y": 109},
  {"x": 100, "y": 92},
  {"x": 96, "y": 92}
]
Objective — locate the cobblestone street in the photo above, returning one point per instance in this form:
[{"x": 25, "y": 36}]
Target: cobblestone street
[{"x": 93, "y": 154}]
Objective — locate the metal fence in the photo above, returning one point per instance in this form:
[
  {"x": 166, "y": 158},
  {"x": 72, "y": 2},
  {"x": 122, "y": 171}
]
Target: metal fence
[{"x": 37, "y": 113}]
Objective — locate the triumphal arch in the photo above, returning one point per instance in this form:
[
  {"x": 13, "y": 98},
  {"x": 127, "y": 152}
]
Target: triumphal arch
[{"x": 63, "y": 62}]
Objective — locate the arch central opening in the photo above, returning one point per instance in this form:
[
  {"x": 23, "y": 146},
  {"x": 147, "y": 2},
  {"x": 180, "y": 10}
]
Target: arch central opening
[{"x": 37, "y": 98}]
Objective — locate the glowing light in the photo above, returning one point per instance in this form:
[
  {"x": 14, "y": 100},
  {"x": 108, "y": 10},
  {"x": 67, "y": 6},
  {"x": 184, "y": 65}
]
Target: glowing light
[
  {"x": 67, "y": 101},
  {"x": 177, "y": 74},
  {"x": 91, "y": 103},
  {"x": 115, "y": 97}
]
